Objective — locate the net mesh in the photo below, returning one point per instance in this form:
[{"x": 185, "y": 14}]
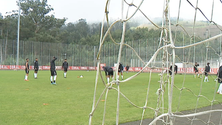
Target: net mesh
[{"x": 178, "y": 43}]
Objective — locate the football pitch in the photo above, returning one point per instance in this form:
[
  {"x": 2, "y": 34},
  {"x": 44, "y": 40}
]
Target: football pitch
[{"x": 37, "y": 102}]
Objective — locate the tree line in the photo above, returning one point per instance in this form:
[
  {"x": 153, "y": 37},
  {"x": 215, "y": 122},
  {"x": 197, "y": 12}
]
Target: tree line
[{"x": 37, "y": 24}]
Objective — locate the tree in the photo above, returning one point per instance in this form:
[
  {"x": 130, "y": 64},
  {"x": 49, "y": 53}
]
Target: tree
[
  {"x": 37, "y": 24},
  {"x": 82, "y": 29}
]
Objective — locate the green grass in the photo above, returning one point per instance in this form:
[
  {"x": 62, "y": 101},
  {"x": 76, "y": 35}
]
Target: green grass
[{"x": 37, "y": 102}]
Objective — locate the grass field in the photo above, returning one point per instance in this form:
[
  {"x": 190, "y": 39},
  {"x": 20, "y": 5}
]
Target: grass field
[{"x": 37, "y": 102}]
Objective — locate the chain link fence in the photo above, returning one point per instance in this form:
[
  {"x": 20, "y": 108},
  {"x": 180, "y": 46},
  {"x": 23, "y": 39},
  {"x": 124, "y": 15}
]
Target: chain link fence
[{"x": 85, "y": 55}]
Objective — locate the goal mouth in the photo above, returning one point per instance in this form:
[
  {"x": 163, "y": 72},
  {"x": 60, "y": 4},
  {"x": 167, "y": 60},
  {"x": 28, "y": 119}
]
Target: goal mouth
[{"x": 181, "y": 84}]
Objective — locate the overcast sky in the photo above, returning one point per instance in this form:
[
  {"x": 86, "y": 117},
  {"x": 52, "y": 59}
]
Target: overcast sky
[{"x": 93, "y": 10}]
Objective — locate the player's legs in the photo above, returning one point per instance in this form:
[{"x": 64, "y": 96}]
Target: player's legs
[
  {"x": 206, "y": 77},
  {"x": 26, "y": 75},
  {"x": 170, "y": 72},
  {"x": 107, "y": 78},
  {"x": 122, "y": 74},
  {"x": 111, "y": 74},
  {"x": 35, "y": 74},
  {"x": 51, "y": 79},
  {"x": 108, "y": 74},
  {"x": 219, "y": 91},
  {"x": 197, "y": 73},
  {"x": 65, "y": 72},
  {"x": 53, "y": 76},
  {"x": 118, "y": 74}
]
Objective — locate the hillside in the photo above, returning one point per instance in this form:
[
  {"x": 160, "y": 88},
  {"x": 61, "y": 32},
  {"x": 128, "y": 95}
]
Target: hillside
[{"x": 202, "y": 29}]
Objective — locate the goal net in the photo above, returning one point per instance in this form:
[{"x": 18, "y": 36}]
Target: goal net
[{"x": 189, "y": 32}]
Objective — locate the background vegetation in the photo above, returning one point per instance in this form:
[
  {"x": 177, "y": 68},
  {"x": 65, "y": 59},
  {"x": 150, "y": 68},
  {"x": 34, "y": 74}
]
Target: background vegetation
[
  {"x": 42, "y": 36},
  {"x": 38, "y": 24}
]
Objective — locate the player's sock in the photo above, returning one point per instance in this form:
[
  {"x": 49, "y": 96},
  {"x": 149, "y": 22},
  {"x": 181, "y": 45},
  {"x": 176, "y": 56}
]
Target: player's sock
[
  {"x": 55, "y": 77},
  {"x": 51, "y": 78},
  {"x": 205, "y": 79},
  {"x": 26, "y": 78},
  {"x": 107, "y": 80},
  {"x": 122, "y": 76},
  {"x": 219, "y": 91}
]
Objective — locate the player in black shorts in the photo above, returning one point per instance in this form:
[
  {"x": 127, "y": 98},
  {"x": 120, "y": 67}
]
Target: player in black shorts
[
  {"x": 196, "y": 71},
  {"x": 53, "y": 71},
  {"x": 36, "y": 68},
  {"x": 27, "y": 69},
  {"x": 120, "y": 70},
  {"x": 175, "y": 69},
  {"x": 108, "y": 72},
  {"x": 65, "y": 66},
  {"x": 206, "y": 71}
]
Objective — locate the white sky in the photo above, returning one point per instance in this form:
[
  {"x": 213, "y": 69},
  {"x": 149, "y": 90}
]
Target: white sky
[{"x": 93, "y": 10}]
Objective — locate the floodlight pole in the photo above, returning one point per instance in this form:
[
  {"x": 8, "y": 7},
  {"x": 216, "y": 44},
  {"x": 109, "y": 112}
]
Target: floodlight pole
[
  {"x": 17, "y": 61},
  {"x": 65, "y": 55},
  {"x": 220, "y": 51}
]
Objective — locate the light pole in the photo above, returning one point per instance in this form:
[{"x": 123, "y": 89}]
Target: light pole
[
  {"x": 17, "y": 61},
  {"x": 65, "y": 55}
]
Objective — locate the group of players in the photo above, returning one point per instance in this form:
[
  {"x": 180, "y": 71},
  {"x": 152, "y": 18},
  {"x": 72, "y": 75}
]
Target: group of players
[
  {"x": 109, "y": 71},
  {"x": 196, "y": 71},
  {"x": 206, "y": 71},
  {"x": 65, "y": 66}
]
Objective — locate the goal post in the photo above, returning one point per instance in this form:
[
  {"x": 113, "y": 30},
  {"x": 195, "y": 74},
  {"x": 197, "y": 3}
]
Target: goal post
[{"x": 180, "y": 42}]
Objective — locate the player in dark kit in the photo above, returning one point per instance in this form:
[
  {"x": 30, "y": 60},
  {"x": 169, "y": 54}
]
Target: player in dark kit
[
  {"x": 219, "y": 75},
  {"x": 65, "y": 66},
  {"x": 206, "y": 71},
  {"x": 127, "y": 68},
  {"x": 120, "y": 70},
  {"x": 27, "y": 69},
  {"x": 108, "y": 72},
  {"x": 36, "y": 68},
  {"x": 53, "y": 71},
  {"x": 175, "y": 69},
  {"x": 196, "y": 70}
]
